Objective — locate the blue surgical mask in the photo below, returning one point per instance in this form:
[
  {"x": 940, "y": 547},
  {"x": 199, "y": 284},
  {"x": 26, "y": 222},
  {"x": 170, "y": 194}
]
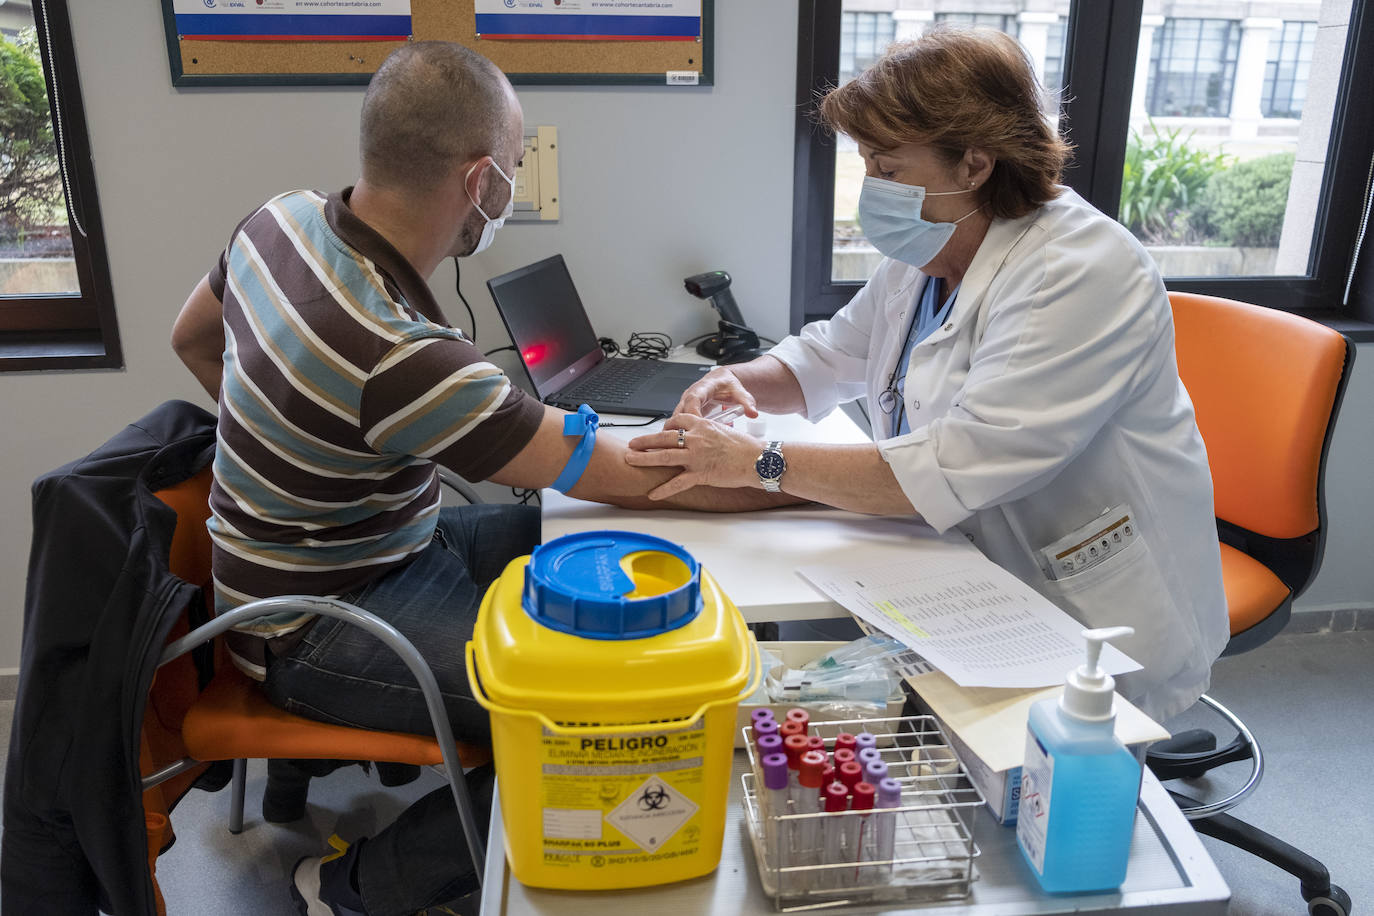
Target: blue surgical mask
[
  {"x": 492, "y": 223},
  {"x": 890, "y": 214}
]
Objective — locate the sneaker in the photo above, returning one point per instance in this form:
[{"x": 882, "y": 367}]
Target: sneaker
[{"x": 323, "y": 886}]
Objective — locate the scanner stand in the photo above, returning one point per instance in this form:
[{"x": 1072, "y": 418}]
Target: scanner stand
[{"x": 733, "y": 343}]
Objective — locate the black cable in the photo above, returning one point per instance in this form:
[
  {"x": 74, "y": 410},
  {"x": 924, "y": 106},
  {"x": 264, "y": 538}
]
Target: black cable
[
  {"x": 609, "y": 346},
  {"x": 524, "y": 496},
  {"x": 768, "y": 340},
  {"x": 645, "y": 423},
  {"x": 458, "y": 288},
  {"x": 497, "y": 350},
  {"x": 649, "y": 345}
]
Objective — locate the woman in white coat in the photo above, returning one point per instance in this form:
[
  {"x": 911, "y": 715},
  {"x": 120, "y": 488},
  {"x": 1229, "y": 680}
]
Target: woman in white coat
[{"x": 1016, "y": 349}]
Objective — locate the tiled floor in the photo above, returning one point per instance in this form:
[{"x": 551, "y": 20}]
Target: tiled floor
[{"x": 1309, "y": 698}]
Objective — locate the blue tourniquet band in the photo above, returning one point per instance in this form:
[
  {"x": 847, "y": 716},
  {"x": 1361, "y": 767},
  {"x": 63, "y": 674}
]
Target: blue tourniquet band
[{"x": 583, "y": 423}]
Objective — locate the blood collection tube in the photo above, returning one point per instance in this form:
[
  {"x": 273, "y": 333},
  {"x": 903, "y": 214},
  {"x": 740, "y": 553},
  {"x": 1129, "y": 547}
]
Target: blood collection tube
[
  {"x": 806, "y": 839},
  {"x": 875, "y": 771},
  {"x": 794, "y": 746},
  {"x": 773, "y": 805},
  {"x": 845, "y": 739},
  {"x": 763, "y": 712},
  {"x": 843, "y": 755},
  {"x": 851, "y": 773},
  {"x": 865, "y": 739},
  {"x": 764, "y": 727},
  {"x": 815, "y": 743},
  {"x": 791, "y": 727},
  {"x": 768, "y": 744},
  {"x": 836, "y": 799},
  {"x": 797, "y": 714},
  {"x": 884, "y": 847},
  {"x": 869, "y": 753},
  {"x": 861, "y": 843}
]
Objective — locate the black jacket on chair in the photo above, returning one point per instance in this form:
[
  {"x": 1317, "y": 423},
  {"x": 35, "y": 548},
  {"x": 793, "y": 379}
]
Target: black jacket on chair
[{"x": 97, "y": 610}]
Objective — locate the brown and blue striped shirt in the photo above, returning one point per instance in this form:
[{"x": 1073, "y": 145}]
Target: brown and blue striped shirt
[{"x": 343, "y": 386}]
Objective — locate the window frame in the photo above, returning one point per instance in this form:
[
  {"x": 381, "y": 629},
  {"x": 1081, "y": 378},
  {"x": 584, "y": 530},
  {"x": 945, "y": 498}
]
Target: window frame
[
  {"x": 66, "y": 330},
  {"x": 1272, "y": 80},
  {"x": 1230, "y": 55},
  {"x": 1100, "y": 51}
]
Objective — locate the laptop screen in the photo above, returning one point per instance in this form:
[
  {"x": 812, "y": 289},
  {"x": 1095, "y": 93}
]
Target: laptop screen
[{"x": 545, "y": 320}]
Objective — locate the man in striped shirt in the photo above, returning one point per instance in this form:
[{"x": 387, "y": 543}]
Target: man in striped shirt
[{"x": 341, "y": 387}]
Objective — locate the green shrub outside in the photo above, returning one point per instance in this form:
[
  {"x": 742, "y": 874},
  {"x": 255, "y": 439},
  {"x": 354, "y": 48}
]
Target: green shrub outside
[
  {"x": 1244, "y": 204},
  {"x": 1162, "y": 179}
]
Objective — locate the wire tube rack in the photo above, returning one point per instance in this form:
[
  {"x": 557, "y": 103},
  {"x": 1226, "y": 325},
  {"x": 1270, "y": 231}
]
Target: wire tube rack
[{"x": 932, "y": 843}]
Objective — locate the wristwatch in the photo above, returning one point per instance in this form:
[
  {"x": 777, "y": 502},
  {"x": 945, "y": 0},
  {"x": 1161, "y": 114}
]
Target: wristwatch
[{"x": 770, "y": 466}]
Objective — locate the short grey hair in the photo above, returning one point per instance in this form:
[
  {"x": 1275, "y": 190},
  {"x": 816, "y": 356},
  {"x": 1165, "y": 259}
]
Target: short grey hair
[{"x": 430, "y": 106}]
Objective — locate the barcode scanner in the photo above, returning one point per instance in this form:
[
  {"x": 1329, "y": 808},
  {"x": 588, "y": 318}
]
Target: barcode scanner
[{"x": 735, "y": 341}]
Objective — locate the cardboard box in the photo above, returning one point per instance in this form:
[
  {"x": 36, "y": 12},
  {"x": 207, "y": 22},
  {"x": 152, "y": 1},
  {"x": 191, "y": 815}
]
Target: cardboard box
[
  {"x": 794, "y": 655},
  {"x": 986, "y": 728}
]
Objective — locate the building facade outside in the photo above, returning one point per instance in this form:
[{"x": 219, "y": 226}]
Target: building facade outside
[{"x": 1217, "y": 85}]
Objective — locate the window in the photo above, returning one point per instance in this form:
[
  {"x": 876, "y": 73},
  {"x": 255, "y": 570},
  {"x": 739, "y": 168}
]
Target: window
[
  {"x": 1103, "y": 40},
  {"x": 56, "y": 302},
  {"x": 998, "y": 21},
  {"x": 1054, "y": 59},
  {"x": 864, "y": 36},
  {"x": 1192, "y": 67},
  {"x": 1285, "y": 73}
]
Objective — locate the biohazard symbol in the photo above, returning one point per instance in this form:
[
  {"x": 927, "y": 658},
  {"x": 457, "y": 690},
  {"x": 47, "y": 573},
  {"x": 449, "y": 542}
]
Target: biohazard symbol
[{"x": 653, "y": 798}]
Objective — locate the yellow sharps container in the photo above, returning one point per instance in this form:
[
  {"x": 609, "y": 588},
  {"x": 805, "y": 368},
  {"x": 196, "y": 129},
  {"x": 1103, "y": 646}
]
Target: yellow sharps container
[{"x": 612, "y": 665}]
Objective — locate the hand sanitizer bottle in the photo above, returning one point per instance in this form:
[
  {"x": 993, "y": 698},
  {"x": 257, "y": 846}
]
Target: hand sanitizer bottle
[{"x": 1079, "y": 784}]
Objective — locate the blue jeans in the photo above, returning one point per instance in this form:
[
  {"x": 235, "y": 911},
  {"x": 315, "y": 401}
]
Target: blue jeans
[{"x": 340, "y": 674}]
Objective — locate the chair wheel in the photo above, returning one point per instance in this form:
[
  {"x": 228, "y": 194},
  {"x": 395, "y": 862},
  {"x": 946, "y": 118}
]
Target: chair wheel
[{"x": 1336, "y": 902}]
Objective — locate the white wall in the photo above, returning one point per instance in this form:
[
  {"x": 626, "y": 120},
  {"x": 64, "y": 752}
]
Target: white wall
[{"x": 656, "y": 184}]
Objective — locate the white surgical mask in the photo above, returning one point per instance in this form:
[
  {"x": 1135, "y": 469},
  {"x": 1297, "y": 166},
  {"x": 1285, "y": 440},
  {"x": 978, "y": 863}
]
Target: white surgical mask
[
  {"x": 890, "y": 214},
  {"x": 492, "y": 224}
]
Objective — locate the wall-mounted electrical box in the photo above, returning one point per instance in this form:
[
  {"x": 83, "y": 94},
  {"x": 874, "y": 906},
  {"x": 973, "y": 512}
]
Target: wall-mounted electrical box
[{"x": 536, "y": 180}]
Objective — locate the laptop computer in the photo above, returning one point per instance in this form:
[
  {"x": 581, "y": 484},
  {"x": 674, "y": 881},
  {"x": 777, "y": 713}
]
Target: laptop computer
[{"x": 550, "y": 330}]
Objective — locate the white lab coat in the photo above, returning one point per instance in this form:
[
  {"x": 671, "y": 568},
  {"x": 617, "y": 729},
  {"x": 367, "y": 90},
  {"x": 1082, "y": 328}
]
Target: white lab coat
[{"x": 1049, "y": 396}]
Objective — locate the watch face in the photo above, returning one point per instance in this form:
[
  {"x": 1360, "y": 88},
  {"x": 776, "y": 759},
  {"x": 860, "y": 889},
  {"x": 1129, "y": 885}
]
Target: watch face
[{"x": 770, "y": 465}]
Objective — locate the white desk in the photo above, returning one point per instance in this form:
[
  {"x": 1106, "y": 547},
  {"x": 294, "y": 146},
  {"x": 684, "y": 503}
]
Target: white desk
[
  {"x": 1169, "y": 874},
  {"x": 754, "y": 555}
]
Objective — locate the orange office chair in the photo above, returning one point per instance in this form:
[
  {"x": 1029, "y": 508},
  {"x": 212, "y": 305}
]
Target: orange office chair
[
  {"x": 1266, "y": 386},
  {"x": 231, "y": 719}
]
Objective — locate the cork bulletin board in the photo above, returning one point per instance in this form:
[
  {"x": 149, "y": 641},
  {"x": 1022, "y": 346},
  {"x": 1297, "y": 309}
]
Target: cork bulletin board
[{"x": 197, "y": 62}]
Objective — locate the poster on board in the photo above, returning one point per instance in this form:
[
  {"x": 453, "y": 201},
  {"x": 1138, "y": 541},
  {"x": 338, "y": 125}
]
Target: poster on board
[
  {"x": 590, "y": 20},
  {"x": 292, "y": 20}
]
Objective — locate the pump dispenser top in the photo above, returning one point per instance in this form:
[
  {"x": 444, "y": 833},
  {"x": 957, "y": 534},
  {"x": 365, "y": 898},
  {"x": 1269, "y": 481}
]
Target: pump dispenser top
[{"x": 1088, "y": 690}]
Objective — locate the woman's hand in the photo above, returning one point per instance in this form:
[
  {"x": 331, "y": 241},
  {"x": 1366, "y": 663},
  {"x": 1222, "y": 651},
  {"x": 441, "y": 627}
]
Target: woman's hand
[
  {"x": 709, "y": 453},
  {"x": 719, "y": 385}
]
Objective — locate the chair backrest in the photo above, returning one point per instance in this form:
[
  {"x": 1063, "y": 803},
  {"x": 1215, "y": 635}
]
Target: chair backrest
[{"x": 1266, "y": 386}]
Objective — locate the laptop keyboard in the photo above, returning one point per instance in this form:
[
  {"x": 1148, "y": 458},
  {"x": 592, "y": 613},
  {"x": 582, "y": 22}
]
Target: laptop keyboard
[{"x": 615, "y": 381}]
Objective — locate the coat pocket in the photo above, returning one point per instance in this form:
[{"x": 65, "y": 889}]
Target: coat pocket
[{"x": 1129, "y": 590}]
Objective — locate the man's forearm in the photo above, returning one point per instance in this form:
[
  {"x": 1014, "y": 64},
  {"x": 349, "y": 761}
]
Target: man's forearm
[{"x": 717, "y": 499}]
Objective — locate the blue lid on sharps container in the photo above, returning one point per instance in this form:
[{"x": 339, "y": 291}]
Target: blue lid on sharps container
[{"x": 579, "y": 584}]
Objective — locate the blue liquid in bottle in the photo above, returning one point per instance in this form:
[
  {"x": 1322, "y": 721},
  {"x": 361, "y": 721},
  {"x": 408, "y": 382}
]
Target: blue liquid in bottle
[{"x": 1079, "y": 786}]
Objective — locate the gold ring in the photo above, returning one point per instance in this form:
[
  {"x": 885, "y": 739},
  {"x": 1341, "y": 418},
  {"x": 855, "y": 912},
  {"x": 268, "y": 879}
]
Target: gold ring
[{"x": 682, "y": 438}]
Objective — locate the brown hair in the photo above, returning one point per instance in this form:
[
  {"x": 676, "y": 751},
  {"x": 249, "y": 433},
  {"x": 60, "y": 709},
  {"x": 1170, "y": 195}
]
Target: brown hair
[
  {"x": 956, "y": 89},
  {"x": 431, "y": 106}
]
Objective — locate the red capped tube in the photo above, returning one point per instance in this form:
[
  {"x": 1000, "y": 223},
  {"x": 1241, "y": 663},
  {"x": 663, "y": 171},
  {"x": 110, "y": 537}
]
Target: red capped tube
[
  {"x": 851, "y": 773},
  {"x": 811, "y": 773}
]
